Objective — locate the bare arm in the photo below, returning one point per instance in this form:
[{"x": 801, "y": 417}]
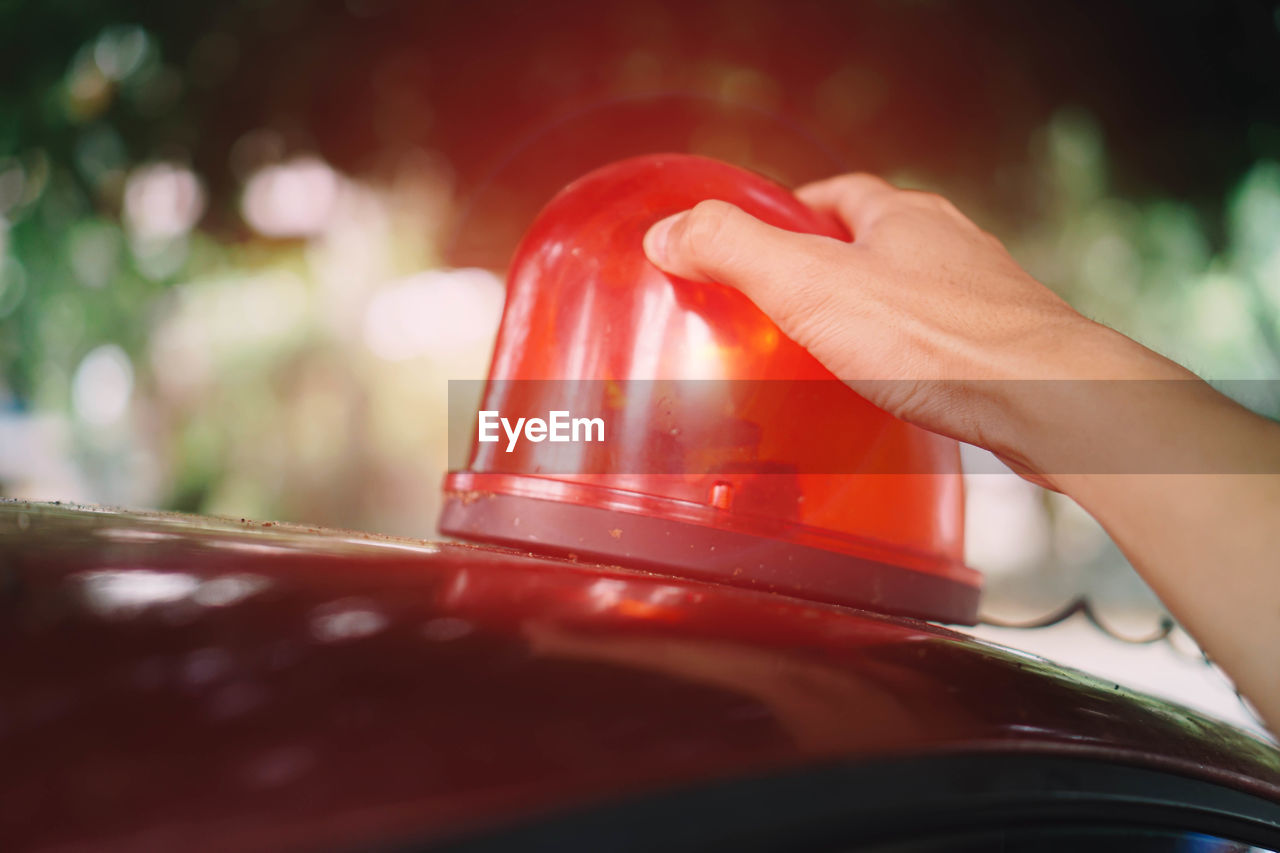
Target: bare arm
[{"x": 929, "y": 317}]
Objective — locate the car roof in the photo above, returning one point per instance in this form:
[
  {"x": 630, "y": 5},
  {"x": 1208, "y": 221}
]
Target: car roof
[{"x": 175, "y": 675}]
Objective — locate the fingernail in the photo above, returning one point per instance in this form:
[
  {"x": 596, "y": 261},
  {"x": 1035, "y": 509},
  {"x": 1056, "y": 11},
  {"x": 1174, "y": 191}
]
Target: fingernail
[{"x": 655, "y": 240}]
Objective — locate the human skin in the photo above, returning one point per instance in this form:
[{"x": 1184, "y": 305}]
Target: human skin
[{"x": 929, "y": 317}]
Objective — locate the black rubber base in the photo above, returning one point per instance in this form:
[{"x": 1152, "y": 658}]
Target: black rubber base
[{"x": 685, "y": 549}]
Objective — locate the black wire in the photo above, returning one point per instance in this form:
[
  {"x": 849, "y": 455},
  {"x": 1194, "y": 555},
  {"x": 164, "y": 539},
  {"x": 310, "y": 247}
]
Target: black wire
[
  {"x": 1056, "y": 616},
  {"x": 1083, "y": 605},
  {"x": 1161, "y": 633}
]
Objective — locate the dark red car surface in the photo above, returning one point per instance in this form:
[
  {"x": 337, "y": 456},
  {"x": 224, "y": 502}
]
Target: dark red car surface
[{"x": 186, "y": 683}]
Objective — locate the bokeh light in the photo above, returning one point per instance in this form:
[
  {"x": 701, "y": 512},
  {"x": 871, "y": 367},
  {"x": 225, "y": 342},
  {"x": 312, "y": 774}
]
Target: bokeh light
[
  {"x": 102, "y": 386},
  {"x": 293, "y": 199},
  {"x": 433, "y": 314}
]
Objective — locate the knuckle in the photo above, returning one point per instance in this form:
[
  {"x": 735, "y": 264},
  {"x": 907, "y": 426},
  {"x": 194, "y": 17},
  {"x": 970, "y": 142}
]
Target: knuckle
[
  {"x": 865, "y": 180},
  {"x": 925, "y": 199},
  {"x": 933, "y": 202},
  {"x": 920, "y": 196},
  {"x": 706, "y": 226},
  {"x": 948, "y": 208},
  {"x": 901, "y": 216},
  {"x": 862, "y": 185},
  {"x": 871, "y": 214}
]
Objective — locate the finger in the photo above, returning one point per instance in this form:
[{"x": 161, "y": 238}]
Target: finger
[
  {"x": 789, "y": 276},
  {"x": 857, "y": 200},
  {"x": 717, "y": 241}
]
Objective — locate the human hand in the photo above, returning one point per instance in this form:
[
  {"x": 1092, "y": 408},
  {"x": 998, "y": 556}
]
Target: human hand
[{"x": 919, "y": 313}]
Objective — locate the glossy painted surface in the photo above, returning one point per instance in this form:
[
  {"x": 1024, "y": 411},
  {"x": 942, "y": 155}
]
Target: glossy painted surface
[
  {"x": 715, "y": 416},
  {"x": 171, "y": 682}
]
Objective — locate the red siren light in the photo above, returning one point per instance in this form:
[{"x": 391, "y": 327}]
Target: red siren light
[{"x": 726, "y": 451}]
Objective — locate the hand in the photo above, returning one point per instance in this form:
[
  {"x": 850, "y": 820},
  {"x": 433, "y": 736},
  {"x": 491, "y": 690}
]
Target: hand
[{"x": 917, "y": 313}]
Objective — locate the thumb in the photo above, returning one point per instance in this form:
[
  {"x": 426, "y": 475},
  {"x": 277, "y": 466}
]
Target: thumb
[{"x": 716, "y": 241}]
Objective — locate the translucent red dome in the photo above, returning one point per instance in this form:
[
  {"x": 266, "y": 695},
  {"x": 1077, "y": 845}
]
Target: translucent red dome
[{"x": 730, "y": 453}]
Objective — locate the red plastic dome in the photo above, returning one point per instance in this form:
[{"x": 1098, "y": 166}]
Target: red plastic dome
[{"x": 727, "y": 451}]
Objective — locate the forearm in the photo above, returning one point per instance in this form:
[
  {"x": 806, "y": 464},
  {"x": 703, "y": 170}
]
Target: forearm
[
  {"x": 1208, "y": 545},
  {"x": 1187, "y": 483}
]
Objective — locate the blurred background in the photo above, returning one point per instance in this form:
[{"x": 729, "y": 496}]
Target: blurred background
[{"x": 244, "y": 245}]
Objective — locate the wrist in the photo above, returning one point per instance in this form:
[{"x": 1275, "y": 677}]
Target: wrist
[{"x": 1074, "y": 401}]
